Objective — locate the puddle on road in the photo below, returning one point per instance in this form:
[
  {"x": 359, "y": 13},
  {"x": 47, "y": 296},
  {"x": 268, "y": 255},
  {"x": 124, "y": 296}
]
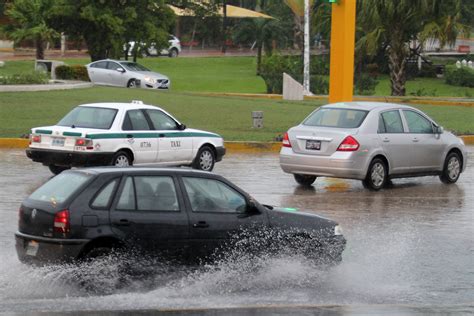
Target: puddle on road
[{"x": 410, "y": 244}]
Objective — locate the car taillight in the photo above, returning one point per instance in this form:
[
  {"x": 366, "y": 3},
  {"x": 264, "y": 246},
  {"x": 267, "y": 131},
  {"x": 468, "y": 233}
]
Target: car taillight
[
  {"x": 84, "y": 142},
  {"x": 61, "y": 222},
  {"x": 286, "y": 141},
  {"x": 35, "y": 138},
  {"x": 348, "y": 144}
]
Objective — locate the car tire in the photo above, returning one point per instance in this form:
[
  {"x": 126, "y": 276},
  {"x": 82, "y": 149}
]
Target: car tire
[
  {"x": 121, "y": 159},
  {"x": 57, "y": 169},
  {"x": 304, "y": 179},
  {"x": 131, "y": 83},
  {"x": 205, "y": 159},
  {"x": 377, "y": 175},
  {"x": 452, "y": 169},
  {"x": 173, "y": 53}
]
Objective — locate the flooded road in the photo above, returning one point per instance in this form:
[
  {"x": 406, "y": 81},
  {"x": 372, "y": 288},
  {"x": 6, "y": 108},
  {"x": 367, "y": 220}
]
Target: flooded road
[{"x": 410, "y": 251}]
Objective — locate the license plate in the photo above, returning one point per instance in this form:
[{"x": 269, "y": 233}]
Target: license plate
[
  {"x": 32, "y": 248},
  {"x": 313, "y": 144},
  {"x": 57, "y": 141}
]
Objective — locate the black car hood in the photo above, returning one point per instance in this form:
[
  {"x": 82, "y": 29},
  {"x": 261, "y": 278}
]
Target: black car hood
[{"x": 293, "y": 218}]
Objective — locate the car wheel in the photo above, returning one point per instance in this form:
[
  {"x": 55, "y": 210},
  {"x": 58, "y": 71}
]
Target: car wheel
[
  {"x": 377, "y": 175},
  {"x": 452, "y": 169},
  {"x": 304, "y": 179},
  {"x": 205, "y": 159},
  {"x": 57, "y": 169},
  {"x": 121, "y": 159},
  {"x": 131, "y": 83},
  {"x": 173, "y": 53}
]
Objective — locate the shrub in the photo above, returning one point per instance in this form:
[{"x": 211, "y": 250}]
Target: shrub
[
  {"x": 25, "y": 78},
  {"x": 463, "y": 76},
  {"x": 373, "y": 70},
  {"x": 365, "y": 84},
  {"x": 273, "y": 67},
  {"x": 74, "y": 72}
]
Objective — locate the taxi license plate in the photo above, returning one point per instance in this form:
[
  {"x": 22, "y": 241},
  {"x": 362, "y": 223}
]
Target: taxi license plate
[
  {"x": 313, "y": 144},
  {"x": 57, "y": 141},
  {"x": 32, "y": 248}
]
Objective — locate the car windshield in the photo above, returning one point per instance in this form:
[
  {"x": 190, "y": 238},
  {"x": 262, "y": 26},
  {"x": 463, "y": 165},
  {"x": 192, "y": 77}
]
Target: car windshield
[
  {"x": 89, "y": 117},
  {"x": 61, "y": 187},
  {"x": 339, "y": 118},
  {"x": 134, "y": 66}
]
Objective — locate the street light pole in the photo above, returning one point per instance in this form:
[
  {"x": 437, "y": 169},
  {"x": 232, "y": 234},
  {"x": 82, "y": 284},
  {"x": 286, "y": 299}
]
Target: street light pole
[{"x": 306, "y": 57}]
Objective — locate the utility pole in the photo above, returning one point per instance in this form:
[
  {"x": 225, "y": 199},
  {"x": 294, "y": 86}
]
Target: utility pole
[{"x": 307, "y": 55}]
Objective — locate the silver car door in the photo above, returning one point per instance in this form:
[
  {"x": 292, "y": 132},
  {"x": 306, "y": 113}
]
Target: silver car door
[
  {"x": 428, "y": 147},
  {"x": 175, "y": 144},
  {"x": 137, "y": 132},
  {"x": 395, "y": 142},
  {"x": 114, "y": 76},
  {"x": 97, "y": 72}
]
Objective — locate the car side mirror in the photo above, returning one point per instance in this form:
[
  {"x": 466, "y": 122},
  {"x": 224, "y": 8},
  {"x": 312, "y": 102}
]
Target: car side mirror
[
  {"x": 252, "y": 208},
  {"x": 120, "y": 69},
  {"x": 439, "y": 130},
  {"x": 181, "y": 127}
]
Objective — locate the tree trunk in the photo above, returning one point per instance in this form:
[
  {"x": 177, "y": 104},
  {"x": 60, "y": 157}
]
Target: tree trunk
[
  {"x": 397, "y": 62},
  {"x": 224, "y": 26},
  {"x": 39, "y": 48}
]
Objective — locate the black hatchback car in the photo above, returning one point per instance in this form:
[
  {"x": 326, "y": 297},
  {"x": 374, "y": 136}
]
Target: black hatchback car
[{"x": 189, "y": 214}]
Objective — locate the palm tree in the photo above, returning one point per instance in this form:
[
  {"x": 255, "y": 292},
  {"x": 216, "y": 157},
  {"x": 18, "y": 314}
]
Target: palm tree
[
  {"x": 29, "y": 23},
  {"x": 396, "y": 24}
]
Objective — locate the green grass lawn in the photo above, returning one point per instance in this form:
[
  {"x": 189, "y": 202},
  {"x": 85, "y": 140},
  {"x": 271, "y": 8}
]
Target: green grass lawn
[
  {"x": 237, "y": 74},
  {"x": 228, "y": 116}
]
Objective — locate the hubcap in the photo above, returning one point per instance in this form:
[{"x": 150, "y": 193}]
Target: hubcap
[
  {"x": 122, "y": 161},
  {"x": 205, "y": 160},
  {"x": 378, "y": 174},
  {"x": 453, "y": 168},
  {"x": 131, "y": 84}
]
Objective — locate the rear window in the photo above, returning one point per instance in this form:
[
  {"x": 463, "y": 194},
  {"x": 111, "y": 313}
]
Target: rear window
[
  {"x": 89, "y": 117},
  {"x": 60, "y": 188},
  {"x": 340, "y": 118}
]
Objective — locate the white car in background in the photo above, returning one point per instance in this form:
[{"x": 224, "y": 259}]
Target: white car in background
[
  {"x": 122, "y": 134},
  {"x": 173, "y": 50},
  {"x": 123, "y": 73}
]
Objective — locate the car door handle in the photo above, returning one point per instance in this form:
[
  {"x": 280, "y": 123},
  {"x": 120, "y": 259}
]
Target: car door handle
[
  {"x": 122, "y": 222},
  {"x": 201, "y": 224},
  {"x": 129, "y": 135},
  {"x": 415, "y": 140},
  {"x": 386, "y": 140}
]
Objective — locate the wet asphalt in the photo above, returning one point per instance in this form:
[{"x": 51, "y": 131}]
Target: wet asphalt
[{"x": 410, "y": 251}]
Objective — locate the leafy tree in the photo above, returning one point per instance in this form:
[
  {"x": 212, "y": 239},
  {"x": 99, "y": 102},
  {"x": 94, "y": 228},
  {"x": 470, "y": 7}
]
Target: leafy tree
[
  {"x": 263, "y": 32},
  {"x": 29, "y": 22},
  {"x": 396, "y": 24},
  {"x": 106, "y": 25}
]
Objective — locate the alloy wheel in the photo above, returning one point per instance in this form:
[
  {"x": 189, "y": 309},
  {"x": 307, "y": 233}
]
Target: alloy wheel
[
  {"x": 454, "y": 168},
  {"x": 378, "y": 174}
]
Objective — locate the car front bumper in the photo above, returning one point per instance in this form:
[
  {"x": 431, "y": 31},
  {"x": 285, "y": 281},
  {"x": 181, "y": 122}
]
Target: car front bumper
[
  {"x": 220, "y": 152},
  {"x": 164, "y": 85},
  {"x": 347, "y": 165},
  {"x": 49, "y": 250},
  {"x": 69, "y": 158}
]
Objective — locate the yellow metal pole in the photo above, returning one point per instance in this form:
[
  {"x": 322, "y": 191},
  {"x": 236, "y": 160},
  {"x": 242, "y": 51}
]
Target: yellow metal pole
[{"x": 341, "y": 81}]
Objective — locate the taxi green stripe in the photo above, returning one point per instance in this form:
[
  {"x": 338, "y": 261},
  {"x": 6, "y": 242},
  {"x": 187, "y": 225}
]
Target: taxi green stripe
[
  {"x": 71, "y": 134},
  {"x": 43, "y": 131},
  {"x": 151, "y": 135}
]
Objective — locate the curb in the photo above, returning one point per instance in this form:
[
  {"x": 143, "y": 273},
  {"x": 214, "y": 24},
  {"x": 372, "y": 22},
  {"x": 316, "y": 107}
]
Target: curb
[
  {"x": 45, "y": 87},
  {"x": 231, "y": 146},
  {"x": 449, "y": 101}
]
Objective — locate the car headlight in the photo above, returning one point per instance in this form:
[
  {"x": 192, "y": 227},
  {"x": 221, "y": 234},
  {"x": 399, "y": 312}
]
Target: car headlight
[
  {"x": 149, "y": 80},
  {"x": 337, "y": 230}
]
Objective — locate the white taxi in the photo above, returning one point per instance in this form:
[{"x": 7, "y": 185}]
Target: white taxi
[{"x": 122, "y": 134}]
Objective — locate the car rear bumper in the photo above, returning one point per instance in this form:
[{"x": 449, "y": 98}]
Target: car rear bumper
[
  {"x": 49, "y": 250},
  {"x": 69, "y": 158},
  {"x": 220, "y": 152},
  {"x": 339, "y": 165}
]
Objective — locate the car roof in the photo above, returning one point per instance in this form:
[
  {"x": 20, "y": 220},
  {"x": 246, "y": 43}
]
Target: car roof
[
  {"x": 366, "y": 106},
  {"x": 114, "y": 60},
  {"x": 142, "y": 170},
  {"x": 135, "y": 104}
]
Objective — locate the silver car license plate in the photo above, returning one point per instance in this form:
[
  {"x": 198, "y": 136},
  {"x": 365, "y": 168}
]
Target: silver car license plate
[
  {"x": 32, "y": 248},
  {"x": 57, "y": 141},
  {"x": 313, "y": 144}
]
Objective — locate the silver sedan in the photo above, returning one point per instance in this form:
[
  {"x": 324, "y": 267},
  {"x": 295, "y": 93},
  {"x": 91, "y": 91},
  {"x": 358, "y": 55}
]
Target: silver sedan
[
  {"x": 372, "y": 142},
  {"x": 125, "y": 74}
]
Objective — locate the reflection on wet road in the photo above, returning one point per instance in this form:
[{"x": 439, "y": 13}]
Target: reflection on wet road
[{"x": 408, "y": 245}]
